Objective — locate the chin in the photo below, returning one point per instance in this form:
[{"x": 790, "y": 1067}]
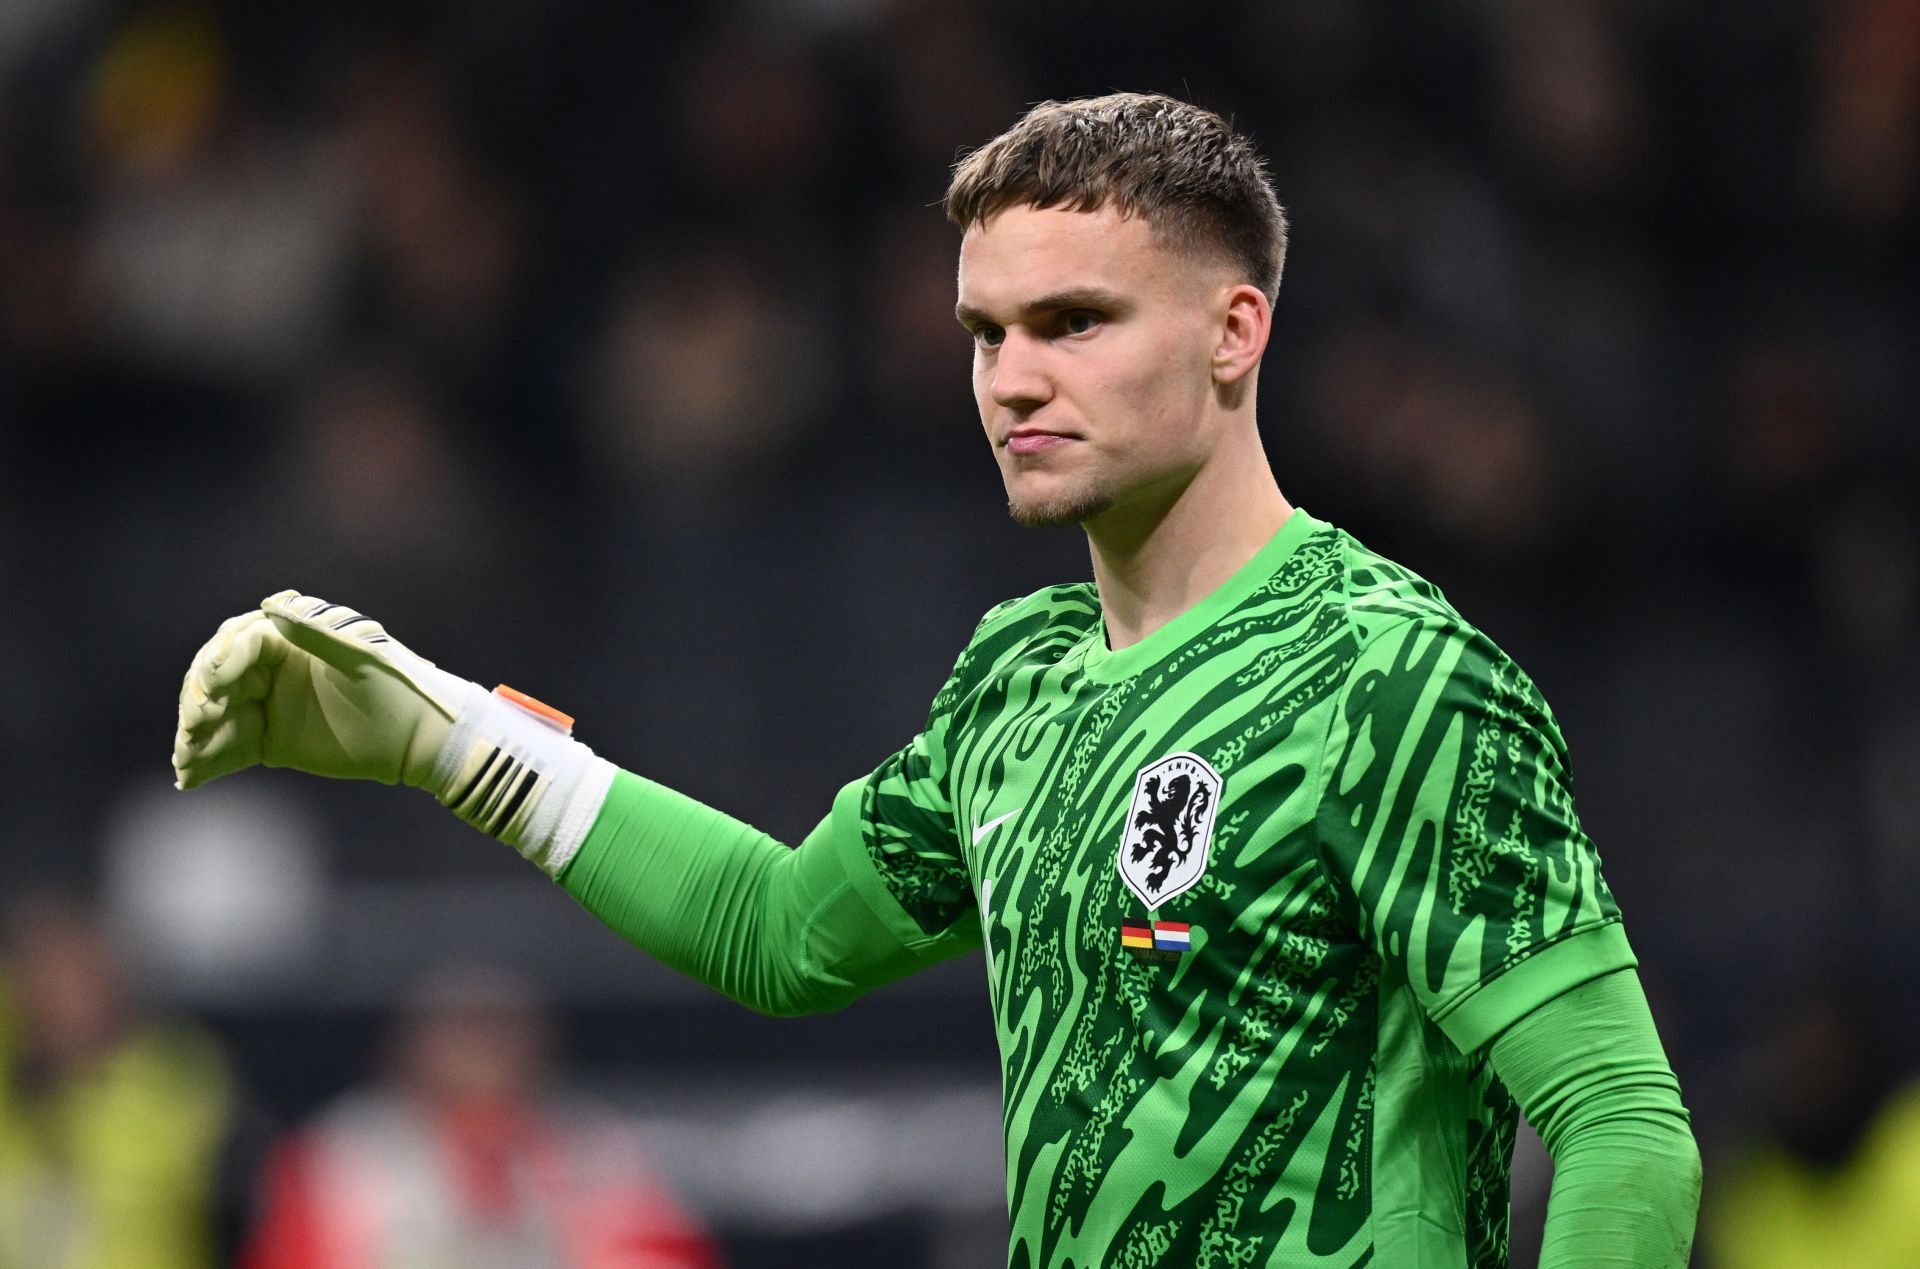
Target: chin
[{"x": 1074, "y": 507}]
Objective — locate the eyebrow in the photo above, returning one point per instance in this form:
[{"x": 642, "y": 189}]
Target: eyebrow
[{"x": 1052, "y": 302}]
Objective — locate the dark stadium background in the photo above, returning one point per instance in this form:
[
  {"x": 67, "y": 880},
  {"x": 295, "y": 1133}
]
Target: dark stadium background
[{"x": 606, "y": 349}]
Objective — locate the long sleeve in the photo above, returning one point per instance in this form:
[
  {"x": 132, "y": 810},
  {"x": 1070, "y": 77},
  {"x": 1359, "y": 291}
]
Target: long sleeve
[
  {"x": 879, "y": 889},
  {"x": 783, "y": 931},
  {"x": 1589, "y": 1073}
]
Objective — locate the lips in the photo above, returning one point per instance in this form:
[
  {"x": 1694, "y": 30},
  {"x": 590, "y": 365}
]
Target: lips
[{"x": 1033, "y": 440}]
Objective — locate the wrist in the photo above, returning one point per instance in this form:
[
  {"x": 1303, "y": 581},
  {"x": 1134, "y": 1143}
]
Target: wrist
[
  {"x": 510, "y": 767},
  {"x": 444, "y": 697}
]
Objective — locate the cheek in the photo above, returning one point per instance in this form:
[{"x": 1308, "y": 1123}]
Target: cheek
[
  {"x": 1157, "y": 389},
  {"x": 1187, "y": 388}
]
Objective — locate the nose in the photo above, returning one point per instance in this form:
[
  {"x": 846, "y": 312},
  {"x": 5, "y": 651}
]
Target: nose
[{"x": 1019, "y": 380}]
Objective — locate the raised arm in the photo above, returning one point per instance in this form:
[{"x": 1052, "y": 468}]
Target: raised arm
[
  {"x": 318, "y": 687},
  {"x": 781, "y": 931}
]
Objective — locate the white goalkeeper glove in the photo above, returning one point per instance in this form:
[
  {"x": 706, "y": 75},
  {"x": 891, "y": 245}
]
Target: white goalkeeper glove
[{"x": 318, "y": 687}]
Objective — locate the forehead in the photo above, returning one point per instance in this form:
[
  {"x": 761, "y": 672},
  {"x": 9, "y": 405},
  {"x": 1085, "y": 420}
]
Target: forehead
[{"x": 1026, "y": 251}]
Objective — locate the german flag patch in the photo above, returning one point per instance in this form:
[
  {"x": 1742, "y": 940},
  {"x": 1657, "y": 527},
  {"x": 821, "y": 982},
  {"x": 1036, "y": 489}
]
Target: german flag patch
[{"x": 1155, "y": 940}]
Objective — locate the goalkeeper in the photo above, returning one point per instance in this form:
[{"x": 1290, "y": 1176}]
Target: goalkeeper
[{"x": 1285, "y": 906}]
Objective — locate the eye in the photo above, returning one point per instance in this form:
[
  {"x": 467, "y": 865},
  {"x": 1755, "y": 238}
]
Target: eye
[
  {"x": 988, "y": 336},
  {"x": 1079, "y": 321}
]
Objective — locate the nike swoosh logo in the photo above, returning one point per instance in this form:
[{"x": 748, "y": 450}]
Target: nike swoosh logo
[{"x": 992, "y": 824}]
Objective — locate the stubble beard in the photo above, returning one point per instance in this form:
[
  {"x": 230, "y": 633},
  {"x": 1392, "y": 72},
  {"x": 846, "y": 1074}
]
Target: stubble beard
[{"x": 1076, "y": 507}]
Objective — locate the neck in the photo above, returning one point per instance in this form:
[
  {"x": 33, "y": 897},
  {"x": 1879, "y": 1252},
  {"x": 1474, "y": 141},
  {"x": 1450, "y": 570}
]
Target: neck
[{"x": 1159, "y": 555}]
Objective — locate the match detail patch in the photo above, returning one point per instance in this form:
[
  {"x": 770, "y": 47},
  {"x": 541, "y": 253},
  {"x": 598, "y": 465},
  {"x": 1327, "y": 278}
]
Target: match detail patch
[{"x": 1156, "y": 940}]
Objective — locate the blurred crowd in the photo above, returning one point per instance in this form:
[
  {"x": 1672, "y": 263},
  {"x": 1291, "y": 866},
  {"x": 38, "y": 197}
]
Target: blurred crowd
[
  {"x": 606, "y": 349},
  {"x": 128, "y": 1141}
]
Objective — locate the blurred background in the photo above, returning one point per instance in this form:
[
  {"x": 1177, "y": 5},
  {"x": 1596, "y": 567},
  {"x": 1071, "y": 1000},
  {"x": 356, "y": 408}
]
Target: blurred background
[{"x": 606, "y": 349}]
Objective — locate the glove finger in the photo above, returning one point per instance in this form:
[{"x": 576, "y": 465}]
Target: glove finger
[
  {"x": 192, "y": 739},
  {"x": 186, "y": 756},
  {"x": 214, "y": 648},
  {"x": 196, "y": 684},
  {"x": 339, "y": 635},
  {"x": 199, "y": 720},
  {"x": 221, "y": 725},
  {"x": 233, "y": 745},
  {"x": 198, "y": 711},
  {"x": 217, "y": 744},
  {"x": 193, "y": 688},
  {"x": 206, "y": 696},
  {"x": 352, "y": 642},
  {"x": 319, "y": 614},
  {"x": 195, "y": 696},
  {"x": 241, "y": 656}
]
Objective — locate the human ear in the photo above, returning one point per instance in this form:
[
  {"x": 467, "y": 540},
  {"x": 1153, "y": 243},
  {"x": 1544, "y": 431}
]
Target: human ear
[{"x": 1245, "y": 323}]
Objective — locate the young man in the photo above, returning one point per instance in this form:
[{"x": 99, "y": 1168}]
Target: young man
[{"x": 1272, "y": 855}]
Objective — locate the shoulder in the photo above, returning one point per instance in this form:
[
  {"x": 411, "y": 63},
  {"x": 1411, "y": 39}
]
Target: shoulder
[
  {"x": 1379, "y": 602},
  {"x": 1054, "y": 617},
  {"x": 1038, "y": 628},
  {"x": 1334, "y": 599},
  {"x": 1073, "y": 607},
  {"x": 1412, "y": 654},
  {"x": 1377, "y": 597},
  {"x": 1400, "y": 632}
]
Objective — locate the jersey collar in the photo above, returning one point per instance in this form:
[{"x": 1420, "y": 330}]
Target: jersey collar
[{"x": 1105, "y": 666}]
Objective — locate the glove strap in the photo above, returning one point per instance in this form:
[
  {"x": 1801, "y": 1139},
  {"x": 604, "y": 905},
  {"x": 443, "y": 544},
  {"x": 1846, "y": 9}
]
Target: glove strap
[{"x": 511, "y": 768}]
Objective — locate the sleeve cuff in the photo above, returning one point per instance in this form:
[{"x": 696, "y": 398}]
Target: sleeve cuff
[
  {"x": 579, "y": 813},
  {"x": 1473, "y": 1020},
  {"x": 844, "y": 825}
]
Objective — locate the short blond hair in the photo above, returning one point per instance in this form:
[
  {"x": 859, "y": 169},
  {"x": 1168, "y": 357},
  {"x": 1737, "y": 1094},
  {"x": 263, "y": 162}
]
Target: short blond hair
[{"x": 1182, "y": 169}]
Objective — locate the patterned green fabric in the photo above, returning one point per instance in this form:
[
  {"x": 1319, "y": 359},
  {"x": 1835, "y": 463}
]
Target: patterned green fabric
[{"x": 1393, "y": 872}]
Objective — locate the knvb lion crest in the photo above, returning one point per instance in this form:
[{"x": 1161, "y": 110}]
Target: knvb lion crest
[{"x": 1163, "y": 851}]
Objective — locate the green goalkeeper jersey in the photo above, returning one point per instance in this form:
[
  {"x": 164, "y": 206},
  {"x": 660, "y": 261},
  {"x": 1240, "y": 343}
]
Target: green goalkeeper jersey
[{"x": 1255, "y": 893}]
